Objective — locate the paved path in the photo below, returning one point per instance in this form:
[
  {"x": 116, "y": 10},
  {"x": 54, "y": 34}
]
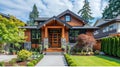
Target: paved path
[
  {"x": 7, "y": 57},
  {"x": 52, "y": 60}
]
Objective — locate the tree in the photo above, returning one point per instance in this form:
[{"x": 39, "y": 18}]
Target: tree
[
  {"x": 10, "y": 31},
  {"x": 112, "y": 10},
  {"x": 85, "y": 12},
  {"x": 86, "y": 42},
  {"x": 34, "y": 14}
]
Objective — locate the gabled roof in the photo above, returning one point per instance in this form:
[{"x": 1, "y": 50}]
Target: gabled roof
[
  {"x": 105, "y": 21},
  {"x": 73, "y": 14},
  {"x": 54, "y": 18},
  {"x": 101, "y": 22}
]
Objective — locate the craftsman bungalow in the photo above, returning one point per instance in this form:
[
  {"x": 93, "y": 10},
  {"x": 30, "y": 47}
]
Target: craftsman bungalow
[{"x": 57, "y": 31}]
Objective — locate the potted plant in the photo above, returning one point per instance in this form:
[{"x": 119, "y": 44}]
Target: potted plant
[{"x": 14, "y": 52}]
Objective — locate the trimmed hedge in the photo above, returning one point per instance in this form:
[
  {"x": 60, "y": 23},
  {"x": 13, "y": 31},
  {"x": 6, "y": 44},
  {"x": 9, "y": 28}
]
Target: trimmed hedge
[
  {"x": 69, "y": 60},
  {"x": 111, "y": 46}
]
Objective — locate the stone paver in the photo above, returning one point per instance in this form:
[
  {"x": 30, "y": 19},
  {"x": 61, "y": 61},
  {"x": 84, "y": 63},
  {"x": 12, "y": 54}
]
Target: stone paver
[
  {"x": 52, "y": 60},
  {"x": 7, "y": 58}
]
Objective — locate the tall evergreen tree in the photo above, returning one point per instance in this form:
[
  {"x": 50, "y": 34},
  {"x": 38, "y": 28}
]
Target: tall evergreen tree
[
  {"x": 112, "y": 10},
  {"x": 34, "y": 14},
  {"x": 85, "y": 12}
]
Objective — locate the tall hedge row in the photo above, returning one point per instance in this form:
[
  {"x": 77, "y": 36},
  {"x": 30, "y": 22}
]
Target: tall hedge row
[{"x": 111, "y": 46}]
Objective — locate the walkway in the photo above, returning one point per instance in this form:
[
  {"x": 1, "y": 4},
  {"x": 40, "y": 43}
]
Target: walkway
[
  {"x": 52, "y": 60},
  {"x": 7, "y": 57}
]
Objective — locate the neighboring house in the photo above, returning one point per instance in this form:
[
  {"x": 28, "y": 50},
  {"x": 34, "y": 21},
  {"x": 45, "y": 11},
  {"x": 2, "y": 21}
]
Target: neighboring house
[
  {"x": 107, "y": 27},
  {"x": 56, "y": 31}
]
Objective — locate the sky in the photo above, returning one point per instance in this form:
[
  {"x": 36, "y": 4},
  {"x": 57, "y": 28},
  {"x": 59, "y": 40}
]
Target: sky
[{"x": 48, "y": 8}]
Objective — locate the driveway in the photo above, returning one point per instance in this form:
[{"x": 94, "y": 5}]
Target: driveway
[
  {"x": 52, "y": 60},
  {"x": 6, "y": 58}
]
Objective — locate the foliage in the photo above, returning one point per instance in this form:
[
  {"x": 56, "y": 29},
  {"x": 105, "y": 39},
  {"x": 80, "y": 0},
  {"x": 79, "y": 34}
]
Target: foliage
[
  {"x": 30, "y": 64},
  {"x": 1, "y": 63},
  {"x": 69, "y": 60},
  {"x": 13, "y": 61},
  {"x": 97, "y": 52},
  {"x": 10, "y": 31},
  {"x": 85, "y": 42},
  {"x": 85, "y": 12},
  {"x": 118, "y": 52},
  {"x": 110, "y": 45},
  {"x": 24, "y": 55},
  {"x": 112, "y": 10},
  {"x": 35, "y": 61},
  {"x": 34, "y": 14}
]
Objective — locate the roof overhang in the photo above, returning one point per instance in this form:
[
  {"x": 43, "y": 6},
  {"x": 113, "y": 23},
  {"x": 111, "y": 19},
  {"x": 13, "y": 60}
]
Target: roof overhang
[{"x": 85, "y": 28}]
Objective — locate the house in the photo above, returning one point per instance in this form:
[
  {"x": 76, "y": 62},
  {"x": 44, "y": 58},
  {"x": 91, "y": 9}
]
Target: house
[
  {"x": 57, "y": 31},
  {"x": 107, "y": 27}
]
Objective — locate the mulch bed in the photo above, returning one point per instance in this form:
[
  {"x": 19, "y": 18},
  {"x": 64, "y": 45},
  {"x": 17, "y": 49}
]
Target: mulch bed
[{"x": 24, "y": 63}]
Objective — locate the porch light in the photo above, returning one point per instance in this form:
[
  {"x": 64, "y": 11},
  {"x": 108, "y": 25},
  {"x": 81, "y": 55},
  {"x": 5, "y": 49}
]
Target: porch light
[{"x": 64, "y": 24}]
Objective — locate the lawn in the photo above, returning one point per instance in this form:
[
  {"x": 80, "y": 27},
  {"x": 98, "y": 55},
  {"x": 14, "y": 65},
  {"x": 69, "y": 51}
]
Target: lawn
[{"x": 95, "y": 61}]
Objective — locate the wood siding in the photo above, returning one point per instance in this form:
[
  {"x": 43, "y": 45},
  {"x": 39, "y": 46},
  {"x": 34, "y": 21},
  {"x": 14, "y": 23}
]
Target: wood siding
[
  {"x": 28, "y": 35},
  {"x": 74, "y": 21}
]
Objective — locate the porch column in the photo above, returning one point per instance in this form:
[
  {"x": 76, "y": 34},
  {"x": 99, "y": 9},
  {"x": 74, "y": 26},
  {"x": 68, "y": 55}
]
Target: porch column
[
  {"x": 46, "y": 38},
  {"x": 46, "y": 32},
  {"x": 63, "y": 32}
]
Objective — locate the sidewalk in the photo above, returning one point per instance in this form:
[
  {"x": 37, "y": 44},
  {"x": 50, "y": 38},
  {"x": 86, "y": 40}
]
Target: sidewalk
[
  {"x": 7, "y": 57},
  {"x": 52, "y": 60}
]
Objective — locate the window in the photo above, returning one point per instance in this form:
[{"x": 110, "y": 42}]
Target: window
[
  {"x": 67, "y": 18},
  {"x": 112, "y": 27},
  {"x": 73, "y": 34},
  {"x": 35, "y": 36},
  {"x": 105, "y": 29},
  {"x": 96, "y": 32}
]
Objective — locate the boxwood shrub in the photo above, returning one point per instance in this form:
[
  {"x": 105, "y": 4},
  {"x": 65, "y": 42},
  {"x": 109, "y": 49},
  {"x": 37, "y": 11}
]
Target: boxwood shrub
[{"x": 69, "y": 60}]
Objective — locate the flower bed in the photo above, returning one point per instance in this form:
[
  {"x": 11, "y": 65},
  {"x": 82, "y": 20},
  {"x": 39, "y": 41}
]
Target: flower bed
[{"x": 24, "y": 58}]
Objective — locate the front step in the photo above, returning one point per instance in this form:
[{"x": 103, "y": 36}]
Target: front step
[
  {"x": 53, "y": 53},
  {"x": 54, "y": 50}
]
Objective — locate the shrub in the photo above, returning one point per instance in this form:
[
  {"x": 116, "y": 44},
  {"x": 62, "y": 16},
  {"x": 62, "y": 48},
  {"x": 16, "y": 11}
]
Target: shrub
[
  {"x": 73, "y": 64},
  {"x": 111, "y": 46},
  {"x": 118, "y": 52},
  {"x": 2, "y": 63},
  {"x": 30, "y": 64},
  {"x": 97, "y": 52},
  {"x": 23, "y": 55},
  {"x": 13, "y": 61},
  {"x": 34, "y": 62},
  {"x": 69, "y": 60}
]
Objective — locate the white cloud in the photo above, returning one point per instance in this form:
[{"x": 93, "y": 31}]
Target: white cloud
[{"x": 22, "y": 8}]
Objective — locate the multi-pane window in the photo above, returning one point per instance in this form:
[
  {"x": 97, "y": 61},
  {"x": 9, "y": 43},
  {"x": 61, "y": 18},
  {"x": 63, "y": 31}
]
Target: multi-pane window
[
  {"x": 35, "y": 36},
  {"x": 73, "y": 34},
  {"x": 67, "y": 18}
]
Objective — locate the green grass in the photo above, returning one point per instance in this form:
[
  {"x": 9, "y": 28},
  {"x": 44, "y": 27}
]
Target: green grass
[{"x": 95, "y": 61}]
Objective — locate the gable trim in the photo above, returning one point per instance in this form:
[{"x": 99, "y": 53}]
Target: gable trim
[{"x": 54, "y": 18}]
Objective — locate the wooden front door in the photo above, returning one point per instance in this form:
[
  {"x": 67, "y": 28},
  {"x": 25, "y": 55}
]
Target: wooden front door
[{"x": 55, "y": 37}]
